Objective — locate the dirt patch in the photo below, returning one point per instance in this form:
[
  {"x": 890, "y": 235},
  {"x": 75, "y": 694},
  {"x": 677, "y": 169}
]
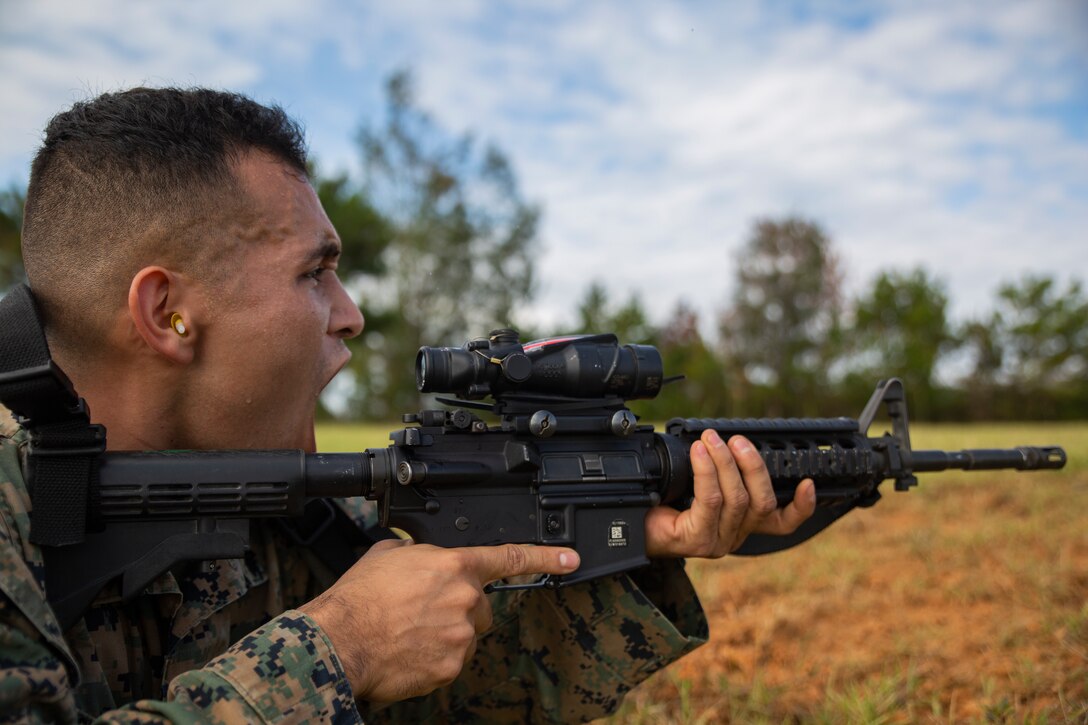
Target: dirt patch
[{"x": 968, "y": 605}]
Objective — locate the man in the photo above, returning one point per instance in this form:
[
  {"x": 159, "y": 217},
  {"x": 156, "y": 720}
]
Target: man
[{"x": 187, "y": 276}]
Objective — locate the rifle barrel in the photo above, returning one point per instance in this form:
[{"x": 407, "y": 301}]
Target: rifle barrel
[{"x": 1024, "y": 458}]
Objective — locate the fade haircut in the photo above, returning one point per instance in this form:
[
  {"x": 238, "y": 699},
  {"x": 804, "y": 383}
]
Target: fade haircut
[{"x": 136, "y": 178}]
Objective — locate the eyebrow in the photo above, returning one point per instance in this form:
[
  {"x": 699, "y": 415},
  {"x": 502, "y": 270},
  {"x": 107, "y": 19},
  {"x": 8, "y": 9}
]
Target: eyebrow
[{"x": 327, "y": 248}]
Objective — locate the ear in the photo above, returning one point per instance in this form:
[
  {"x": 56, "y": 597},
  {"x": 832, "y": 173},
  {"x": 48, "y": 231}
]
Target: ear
[{"x": 154, "y": 296}]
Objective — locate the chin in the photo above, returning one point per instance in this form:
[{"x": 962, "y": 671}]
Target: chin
[
  {"x": 342, "y": 359},
  {"x": 309, "y": 441},
  {"x": 305, "y": 436}
]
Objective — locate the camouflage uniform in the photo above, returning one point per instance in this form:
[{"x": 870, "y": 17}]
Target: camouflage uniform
[{"x": 168, "y": 655}]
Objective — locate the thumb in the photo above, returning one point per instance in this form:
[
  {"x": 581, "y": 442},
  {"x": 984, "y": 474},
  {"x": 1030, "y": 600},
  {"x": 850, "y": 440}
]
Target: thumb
[{"x": 498, "y": 562}]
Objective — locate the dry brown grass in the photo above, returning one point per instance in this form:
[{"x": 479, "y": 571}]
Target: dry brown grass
[{"x": 964, "y": 600}]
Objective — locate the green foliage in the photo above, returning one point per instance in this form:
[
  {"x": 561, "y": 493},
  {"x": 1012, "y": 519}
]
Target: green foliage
[
  {"x": 1031, "y": 353},
  {"x": 705, "y": 389},
  {"x": 628, "y": 322},
  {"x": 1044, "y": 330},
  {"x": 364, "y": 232},
  {"x": 593, "y": 310},
  {"x": 791, "y": 348},
  {"x": 457, "y": 252},
  {"x": 780, "y": 332},
  {"x": 901, "y": 328},
  {"x": 702, "y": 392}
]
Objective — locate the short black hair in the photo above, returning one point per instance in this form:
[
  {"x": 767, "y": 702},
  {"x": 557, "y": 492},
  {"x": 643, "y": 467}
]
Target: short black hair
[
  {"x": 138, "y": 177},
  {"x": 172, "y": 134}
]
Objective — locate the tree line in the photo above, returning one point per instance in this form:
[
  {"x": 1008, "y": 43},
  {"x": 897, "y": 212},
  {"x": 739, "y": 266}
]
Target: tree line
[
  {"x": 439, "y": 246},
  {"x": 790, "y": 342}
]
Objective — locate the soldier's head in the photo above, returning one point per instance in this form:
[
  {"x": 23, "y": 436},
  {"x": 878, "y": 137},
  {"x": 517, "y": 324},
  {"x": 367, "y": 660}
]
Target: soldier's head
[
  {"x": 144, "y": 176},
  {"x": 177, "y": 228}
]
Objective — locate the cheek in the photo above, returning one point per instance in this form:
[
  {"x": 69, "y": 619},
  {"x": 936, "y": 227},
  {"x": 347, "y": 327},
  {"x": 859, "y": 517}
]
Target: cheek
[
  {"x": 277, "y": 354},
  {"x": 299, "y": 344}
]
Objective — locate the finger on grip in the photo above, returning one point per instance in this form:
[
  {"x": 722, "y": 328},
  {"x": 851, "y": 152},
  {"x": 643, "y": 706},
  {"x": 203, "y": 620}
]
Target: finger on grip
[
  {"x": 492, "y": 563},
  {"x": 707, "y": 506}
]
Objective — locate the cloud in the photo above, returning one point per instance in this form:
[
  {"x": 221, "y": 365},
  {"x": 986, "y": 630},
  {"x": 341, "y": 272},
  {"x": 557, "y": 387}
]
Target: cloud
[
  {"x": 685, "y": 126},
  {"x": 55, "y": 52},
  {"x": 654, "y": 134}
]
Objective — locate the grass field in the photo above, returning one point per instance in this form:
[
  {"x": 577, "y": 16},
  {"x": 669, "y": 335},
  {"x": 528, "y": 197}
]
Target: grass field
[{"x": 964, "y": 600}]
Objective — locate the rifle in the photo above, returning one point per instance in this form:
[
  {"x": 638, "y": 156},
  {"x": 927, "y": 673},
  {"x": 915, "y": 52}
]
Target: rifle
[{"x": 566, "y": 464}]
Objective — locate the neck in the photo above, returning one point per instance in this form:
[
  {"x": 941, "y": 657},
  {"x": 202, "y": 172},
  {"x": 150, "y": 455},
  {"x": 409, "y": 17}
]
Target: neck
[
  {"x": 138, "y": 408},
  {"x": 149, "y": 406}
]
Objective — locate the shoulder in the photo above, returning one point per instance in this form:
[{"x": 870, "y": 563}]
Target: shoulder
[
  {"x": 36, "y": 667},
  {"x": 22, "y": 569}
]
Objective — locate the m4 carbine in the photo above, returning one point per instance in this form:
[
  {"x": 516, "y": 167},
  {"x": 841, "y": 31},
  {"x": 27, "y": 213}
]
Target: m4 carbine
[{"x": 564, "y": 462}]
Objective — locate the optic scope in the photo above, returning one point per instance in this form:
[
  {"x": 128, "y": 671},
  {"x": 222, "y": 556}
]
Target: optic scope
[{"x": 576, "y": 366}]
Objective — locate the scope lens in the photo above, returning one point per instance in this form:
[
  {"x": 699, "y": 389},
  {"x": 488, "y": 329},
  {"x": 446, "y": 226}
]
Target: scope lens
[
  {"x": 426, "y": 369},
  {"x": 446, "y": 370}
]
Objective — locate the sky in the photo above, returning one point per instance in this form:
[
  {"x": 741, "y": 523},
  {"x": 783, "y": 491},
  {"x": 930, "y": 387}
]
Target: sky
[{"x": 951, "y": 135}]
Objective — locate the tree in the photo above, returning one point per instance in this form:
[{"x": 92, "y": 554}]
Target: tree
[
  {"x": 364, "y": 231},
  {"x": 901, "y": 329},
  {"x": 592, "y": 311},
  {"x": 780, "y": 331},
  {"x": 11, "y": 224},
  {"x": 704, "y": 391},
  {"x": 461, "y": 246},
  {"x": 628, "y": 322},
  {"x": 1035, "y": 345},
  {"x": 982, "y": 384},
  {"x": 1044, "y": 331}
]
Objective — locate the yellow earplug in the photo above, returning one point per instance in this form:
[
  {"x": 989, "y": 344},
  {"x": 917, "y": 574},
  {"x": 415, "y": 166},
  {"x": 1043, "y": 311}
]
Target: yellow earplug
[{"x": 178, "y": 324}]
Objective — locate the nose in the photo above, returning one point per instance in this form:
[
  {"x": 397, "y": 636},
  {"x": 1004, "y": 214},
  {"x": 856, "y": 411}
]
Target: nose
[{"x": 345, "y": 318}]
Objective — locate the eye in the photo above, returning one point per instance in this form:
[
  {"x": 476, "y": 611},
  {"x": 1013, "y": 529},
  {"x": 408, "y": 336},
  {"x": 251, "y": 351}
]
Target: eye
[{"x": 315, "y": 273}]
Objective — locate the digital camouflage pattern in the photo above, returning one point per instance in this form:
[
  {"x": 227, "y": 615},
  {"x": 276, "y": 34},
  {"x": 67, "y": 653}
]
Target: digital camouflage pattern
[{"x": 226, "y": 644}]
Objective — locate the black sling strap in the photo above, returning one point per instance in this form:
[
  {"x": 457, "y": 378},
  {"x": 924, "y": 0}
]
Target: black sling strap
[{"x": 64, "y": 445}]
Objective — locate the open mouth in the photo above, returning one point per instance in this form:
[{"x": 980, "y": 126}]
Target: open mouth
[{"x": 342, "y": 359}]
